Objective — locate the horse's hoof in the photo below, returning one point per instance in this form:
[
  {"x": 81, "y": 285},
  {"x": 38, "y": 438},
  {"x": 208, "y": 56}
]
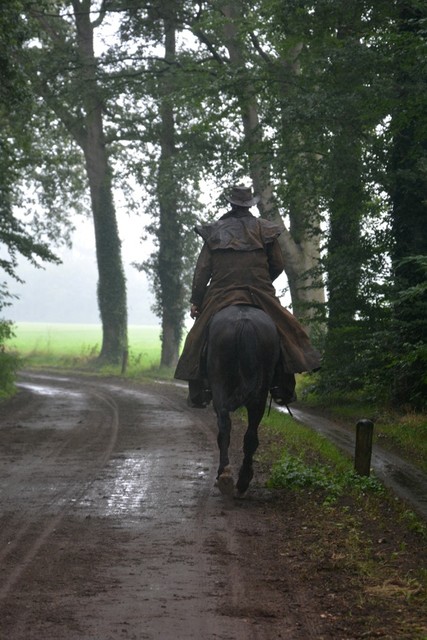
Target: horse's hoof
[
  {"x": 242, "y": 488},
  {"x": 244, "y": 481},
  {"x": 225, "y": 482}
]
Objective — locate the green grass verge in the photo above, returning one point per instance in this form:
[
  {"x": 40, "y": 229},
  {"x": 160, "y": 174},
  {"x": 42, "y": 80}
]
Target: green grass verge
[
  {"x": 346, "y": 519},
  {"x": 404, "y": 433},
  {"x": 304, "y": 459}
]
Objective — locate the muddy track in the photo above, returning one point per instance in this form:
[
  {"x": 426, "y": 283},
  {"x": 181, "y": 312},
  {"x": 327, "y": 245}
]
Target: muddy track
[{"x": 111, "y": 526}]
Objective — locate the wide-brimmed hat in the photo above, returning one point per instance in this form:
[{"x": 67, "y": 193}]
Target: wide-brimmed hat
[{"x": 242, "y": 196}]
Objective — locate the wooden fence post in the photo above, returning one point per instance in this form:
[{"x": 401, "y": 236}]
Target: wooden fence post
[
  {"x": 363, "y": 452},
  {"x": 125, "y": 359}
]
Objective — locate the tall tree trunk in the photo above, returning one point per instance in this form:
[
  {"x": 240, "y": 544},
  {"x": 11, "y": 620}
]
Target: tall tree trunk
[
  {"x": 409, "y": 212},
  {"x": 301, "y": 250},
  {"x": 341, "y": 362},
  {"x": 77, "y": 102},
  {"x": 111, "y": 284},
  {"x": 346, "y": 208},
  {"x": 169, "y": 234}
]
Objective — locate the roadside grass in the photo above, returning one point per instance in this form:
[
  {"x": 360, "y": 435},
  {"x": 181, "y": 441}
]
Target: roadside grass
[
  {"x": 308, "y": 460},
  {"x": 403, "y": 432},
  {"x": 351, "y": 526}
]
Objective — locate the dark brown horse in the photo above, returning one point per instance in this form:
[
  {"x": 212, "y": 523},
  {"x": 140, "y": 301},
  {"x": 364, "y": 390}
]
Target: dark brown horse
[{"x": 243, "y": 350}]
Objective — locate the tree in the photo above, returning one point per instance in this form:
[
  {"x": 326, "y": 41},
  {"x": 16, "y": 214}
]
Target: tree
[
  {"x": 345, "y": 79},
  {"x": 156, "y": 120},
  {"x": 246, "y": 71},
  {"x": 409, "y": 206},
  {"x": 169, "y": 258},
  {"x": 17, "y": 142},
  {"x": 17, "y": 238},
  {"x": 335, "y": 107},
  {"x": 64, "y": 71}
]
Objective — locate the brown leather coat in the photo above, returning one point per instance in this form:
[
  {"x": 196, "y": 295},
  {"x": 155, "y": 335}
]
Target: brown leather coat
[{"x": 237, "y": 265}]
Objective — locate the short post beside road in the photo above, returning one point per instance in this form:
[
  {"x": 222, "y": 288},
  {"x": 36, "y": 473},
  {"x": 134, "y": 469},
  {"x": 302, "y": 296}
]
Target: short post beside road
[
  {"x": 125, "y": 359},
  {"x": 363, "y": 452}
]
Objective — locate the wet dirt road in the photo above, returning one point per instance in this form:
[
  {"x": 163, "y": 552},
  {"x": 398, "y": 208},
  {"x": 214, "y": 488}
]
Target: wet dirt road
[{"x": 111, "y": 526}]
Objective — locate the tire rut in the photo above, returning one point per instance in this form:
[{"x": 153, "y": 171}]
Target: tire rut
[
  {"x": 25, "y": 532},
  {"x": 116, "y": 528}
]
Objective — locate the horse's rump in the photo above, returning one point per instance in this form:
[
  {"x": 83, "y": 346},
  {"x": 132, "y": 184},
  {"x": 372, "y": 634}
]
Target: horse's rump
[{"x": 243, "y": 349}]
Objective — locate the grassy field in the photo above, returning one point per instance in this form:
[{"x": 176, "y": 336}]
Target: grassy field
[{"x": 74, "y": 344}]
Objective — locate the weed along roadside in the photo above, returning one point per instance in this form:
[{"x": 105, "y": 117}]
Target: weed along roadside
[
  {"x": 359, "y": 539},
  {"x": 405, "y": 480}
]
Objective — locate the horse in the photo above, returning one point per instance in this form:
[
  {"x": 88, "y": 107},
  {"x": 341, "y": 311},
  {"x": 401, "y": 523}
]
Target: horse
[{"x": 243, "y": 349}]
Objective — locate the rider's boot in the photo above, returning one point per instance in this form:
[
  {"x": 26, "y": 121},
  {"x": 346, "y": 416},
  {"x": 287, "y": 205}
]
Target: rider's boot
[
  {"x": 283, "y": 387},
  {"x": 198, "y": 395}
]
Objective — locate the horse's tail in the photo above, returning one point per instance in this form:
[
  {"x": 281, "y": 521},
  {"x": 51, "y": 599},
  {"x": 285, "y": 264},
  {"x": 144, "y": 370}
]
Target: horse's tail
[
  {"x": 248, "y": 372},
  {"x": 243, "y": 349}
]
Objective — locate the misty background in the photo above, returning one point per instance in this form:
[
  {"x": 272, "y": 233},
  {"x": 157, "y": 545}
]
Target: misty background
[{"x": 67, "y": 292}]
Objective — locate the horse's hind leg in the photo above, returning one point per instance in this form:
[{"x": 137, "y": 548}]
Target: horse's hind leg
[
  {"x": 225, "y": 480},
  {"x": 250, "y": 445}
]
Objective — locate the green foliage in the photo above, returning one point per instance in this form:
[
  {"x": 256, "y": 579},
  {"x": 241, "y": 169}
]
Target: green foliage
[
  {"x": 408, "y": 334},
  {"x": 8, "y": 362},
  {"x": 338, "y": 91},
  {"x": 293, "y": 473},
  {"x": 31, "y": 154},
  {"x": 310, "y": 461},
  {"x": 18, "y": 239}
]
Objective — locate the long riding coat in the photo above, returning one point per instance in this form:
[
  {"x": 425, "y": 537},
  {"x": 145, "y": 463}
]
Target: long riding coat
[{"x": 239, "y": 260}]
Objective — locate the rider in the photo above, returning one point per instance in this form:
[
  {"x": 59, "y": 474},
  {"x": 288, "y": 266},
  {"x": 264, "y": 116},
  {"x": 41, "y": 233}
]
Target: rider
[{"x": 238, "y": 263}]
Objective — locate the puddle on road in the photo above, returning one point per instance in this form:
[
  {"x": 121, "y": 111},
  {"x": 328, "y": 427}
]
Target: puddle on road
[
  {"x": 135, "y": 487},
  {"x": 61, "y": 409},
  {"x": 128, "y": 488},
  {"x": 46, "y": 376},
  {"x": 49, "y": 391}
]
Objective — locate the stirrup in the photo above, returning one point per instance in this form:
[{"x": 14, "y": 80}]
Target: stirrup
[
  {"x": 196, "y": 404},
  {"x": 201, "y": 400},
  {"x": 280, "y": 398}
]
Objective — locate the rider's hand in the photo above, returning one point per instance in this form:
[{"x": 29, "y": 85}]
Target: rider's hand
[{"x": 194, "y": 311}]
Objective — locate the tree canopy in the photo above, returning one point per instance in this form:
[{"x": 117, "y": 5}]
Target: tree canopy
[{"x": 321, "y": 105}]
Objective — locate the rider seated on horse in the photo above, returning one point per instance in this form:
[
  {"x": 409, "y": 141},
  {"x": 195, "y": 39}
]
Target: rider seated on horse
[{"x": 240, "y": 259}]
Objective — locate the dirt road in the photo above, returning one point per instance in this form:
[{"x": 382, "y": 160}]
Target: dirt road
[{"x": 111, "y": 526}]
